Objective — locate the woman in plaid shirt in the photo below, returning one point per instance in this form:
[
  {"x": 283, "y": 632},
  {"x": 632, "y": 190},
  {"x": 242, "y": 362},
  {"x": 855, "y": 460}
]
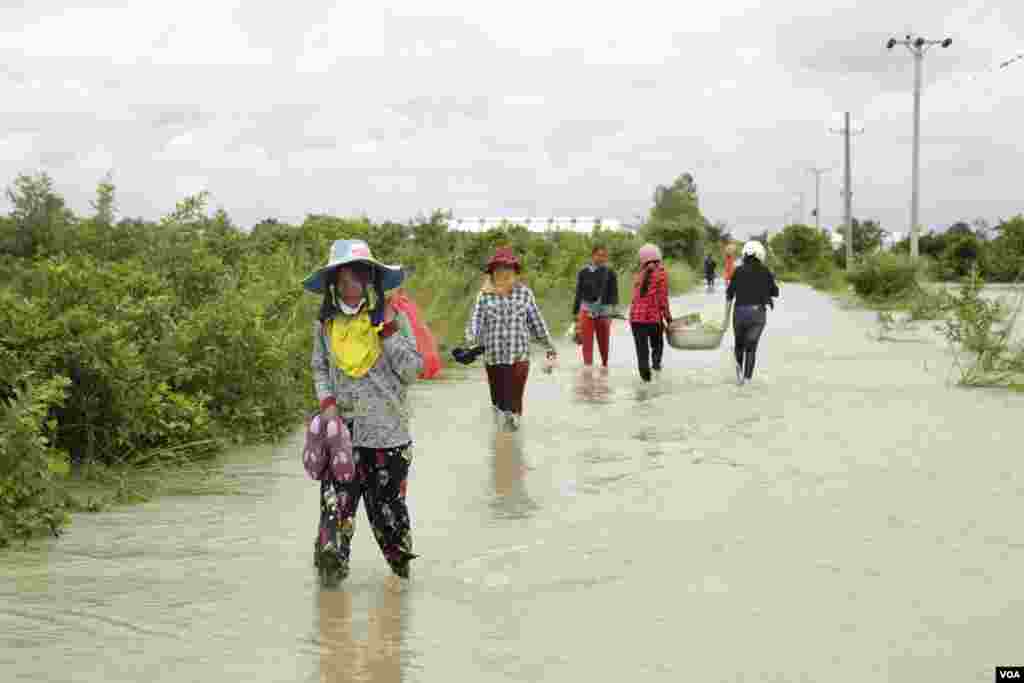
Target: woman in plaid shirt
[
  {"x": 649, "y": 309},
  {"x": 504, "y": 320}
]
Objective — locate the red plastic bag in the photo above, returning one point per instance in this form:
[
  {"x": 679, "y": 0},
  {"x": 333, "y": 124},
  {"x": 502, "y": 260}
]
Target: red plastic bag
[{"x": 425, "y": 342}]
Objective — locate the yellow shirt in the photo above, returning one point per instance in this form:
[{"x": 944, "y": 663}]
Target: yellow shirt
[{"x": 355, "y": 343}]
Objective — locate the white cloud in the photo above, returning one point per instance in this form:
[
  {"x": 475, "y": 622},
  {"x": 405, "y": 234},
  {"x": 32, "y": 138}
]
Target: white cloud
[
  {"x": 17, "y": 146},
  {"x": 535, "y": 107},
  {"x": 186, "y": 32},
  {"x": 99, "y": 159}
]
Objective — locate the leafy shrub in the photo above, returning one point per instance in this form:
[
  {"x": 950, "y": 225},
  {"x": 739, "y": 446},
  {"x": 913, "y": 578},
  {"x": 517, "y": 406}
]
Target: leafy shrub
[
  {"x": 884, "y": 277},
  {"x": 31, "y": 501},
  {"x": 984, "y": 329},
  {"x": 798, "y": 248},
  {"x": 823, "y": 274}
]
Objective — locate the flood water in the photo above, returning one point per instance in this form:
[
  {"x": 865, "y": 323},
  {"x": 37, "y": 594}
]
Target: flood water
[{"x": 848, "y": 516}]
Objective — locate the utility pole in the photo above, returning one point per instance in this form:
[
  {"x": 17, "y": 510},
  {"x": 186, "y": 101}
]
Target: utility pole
[
  {"x": 847, "y": 190},
  {"x": 817, "y": 194},
  {"x": 917, "y": 46}
]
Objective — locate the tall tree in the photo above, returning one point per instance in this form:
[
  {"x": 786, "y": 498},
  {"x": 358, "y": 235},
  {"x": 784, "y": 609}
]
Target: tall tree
[
  {"x": 675, "y": 222},
  {"x": 40, "y": 217},
  {"x": 105, "y": 204},
  {"x": 676, "y": 201},
  {"x": 190, "y": 211}
]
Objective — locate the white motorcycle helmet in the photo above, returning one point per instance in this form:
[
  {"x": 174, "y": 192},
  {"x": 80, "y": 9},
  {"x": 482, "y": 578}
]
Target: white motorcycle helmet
[{"x": 755, "y": 249}]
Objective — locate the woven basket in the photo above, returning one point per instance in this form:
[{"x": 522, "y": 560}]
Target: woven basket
[{"x": 696, "y": 337}]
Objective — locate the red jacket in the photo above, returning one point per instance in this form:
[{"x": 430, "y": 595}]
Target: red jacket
[
  {"x": 730, "y": 266},
  {"x": 652, "y": 307}
]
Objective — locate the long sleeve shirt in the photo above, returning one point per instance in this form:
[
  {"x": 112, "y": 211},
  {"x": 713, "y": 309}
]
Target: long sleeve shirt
[
  {"x": 505, "y": 325},
  {"x": 377, "y": 402},
  {"x": 598, "y": 286},
  {"x": 653, "y": 306},
  {"x": 752, "y": 285}
]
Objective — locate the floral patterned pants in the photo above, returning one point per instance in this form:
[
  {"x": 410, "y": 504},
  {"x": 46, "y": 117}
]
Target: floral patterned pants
[{"x": 381, "y": 479}]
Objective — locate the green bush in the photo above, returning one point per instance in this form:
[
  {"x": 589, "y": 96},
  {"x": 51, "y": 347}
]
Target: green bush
[
  {"x": 884, "y": 277},
  {"x": 984, "y": 329},
  {"x": 929, "y": 304},
  {"x": 31, "y": 501},
  {"x": 1003, "y": 258},
  {"x": 798, "y": 249},
  {"x": 824, "y": 275}
]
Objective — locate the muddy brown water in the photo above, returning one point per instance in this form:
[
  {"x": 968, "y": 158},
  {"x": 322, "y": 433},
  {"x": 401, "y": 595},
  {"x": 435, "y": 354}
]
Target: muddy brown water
[{"x": 848, "y": 516}]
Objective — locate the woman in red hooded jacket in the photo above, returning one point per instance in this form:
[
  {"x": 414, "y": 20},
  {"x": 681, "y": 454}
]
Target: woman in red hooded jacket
[{"x": 649, "y": 310}]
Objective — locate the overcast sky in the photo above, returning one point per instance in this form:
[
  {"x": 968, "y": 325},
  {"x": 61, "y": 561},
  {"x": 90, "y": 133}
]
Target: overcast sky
[{"x": 513, "y": 109}]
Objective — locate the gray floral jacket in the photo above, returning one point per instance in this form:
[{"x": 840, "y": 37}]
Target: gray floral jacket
[{"x": 377, "y": 403}]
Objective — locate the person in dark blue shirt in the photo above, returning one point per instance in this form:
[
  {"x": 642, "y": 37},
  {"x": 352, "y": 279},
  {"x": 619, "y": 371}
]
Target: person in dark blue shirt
[{"x": 597, "y": 295}]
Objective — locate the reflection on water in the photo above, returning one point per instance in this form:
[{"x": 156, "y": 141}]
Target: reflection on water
[
  {"x": 508, "y": 469},
  {"x": 361, "y": 651},
  {"x": 591, "y": 386}
]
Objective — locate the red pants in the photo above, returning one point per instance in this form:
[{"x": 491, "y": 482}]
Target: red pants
[
  {"x": 588, "y": 327},
  {"x": 508, "y": 383}
]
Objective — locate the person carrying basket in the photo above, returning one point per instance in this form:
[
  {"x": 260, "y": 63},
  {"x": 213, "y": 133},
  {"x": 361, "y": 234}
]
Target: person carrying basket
[{"x": 649, "y": 312}]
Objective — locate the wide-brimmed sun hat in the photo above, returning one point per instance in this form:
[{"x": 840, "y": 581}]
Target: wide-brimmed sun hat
[
  {"x": 352, "y": 251},
  {"x": 504, "y": 256}
]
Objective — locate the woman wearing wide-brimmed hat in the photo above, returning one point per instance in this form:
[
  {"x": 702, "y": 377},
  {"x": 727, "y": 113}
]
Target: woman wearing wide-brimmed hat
[
  {"x": 504, "y": 320},
  {"x": 364, "y": 359}
]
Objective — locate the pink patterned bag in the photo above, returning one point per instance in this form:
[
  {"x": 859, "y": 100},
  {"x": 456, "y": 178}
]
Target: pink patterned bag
[{"x": 328, "y": 449}]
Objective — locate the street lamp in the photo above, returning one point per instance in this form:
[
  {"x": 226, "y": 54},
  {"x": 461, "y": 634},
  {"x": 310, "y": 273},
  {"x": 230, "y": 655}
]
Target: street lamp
[{"x": 917, "y": 46}]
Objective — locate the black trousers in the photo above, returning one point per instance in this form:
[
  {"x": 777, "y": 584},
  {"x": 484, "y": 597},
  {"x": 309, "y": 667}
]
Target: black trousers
[
  {"x": 382, "y": 476},
  {"x": 748, "y": 323},
  {"x": 650, "y": 345}
]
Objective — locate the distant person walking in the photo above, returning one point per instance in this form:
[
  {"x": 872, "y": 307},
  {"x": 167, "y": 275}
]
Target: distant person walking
[
  {"x": 709, "y": 271},
  {"x": 597, "y": 295},
  {"x": 649, "y": 311},
  {"x": 754, "y": 288},
  {"x": 730, "y": 264}
]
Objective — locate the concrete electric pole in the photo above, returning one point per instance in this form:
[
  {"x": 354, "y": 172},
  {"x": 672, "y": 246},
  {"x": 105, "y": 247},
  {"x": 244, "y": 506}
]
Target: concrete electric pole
[
  {"x": 817, "y": 194},
  {"x": 847, "y": 190},
  {"x": 917, "y": 46}
]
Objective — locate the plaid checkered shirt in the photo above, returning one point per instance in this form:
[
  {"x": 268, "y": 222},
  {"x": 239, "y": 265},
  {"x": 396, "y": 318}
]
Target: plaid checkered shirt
[
  {"x": 653, "y": 306},
  {"x": 505, "y": 325}
]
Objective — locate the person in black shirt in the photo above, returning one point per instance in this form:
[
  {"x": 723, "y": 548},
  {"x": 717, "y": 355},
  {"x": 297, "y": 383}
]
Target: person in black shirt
[
  {"x": 753, "y": 286},
  {"x": 597, "y": 295},
  {"x": 709, "y": 270}
]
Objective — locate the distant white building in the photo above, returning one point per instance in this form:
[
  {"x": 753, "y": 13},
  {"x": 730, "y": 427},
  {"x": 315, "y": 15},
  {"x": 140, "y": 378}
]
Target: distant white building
[{"x": 581, "y": 224}]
